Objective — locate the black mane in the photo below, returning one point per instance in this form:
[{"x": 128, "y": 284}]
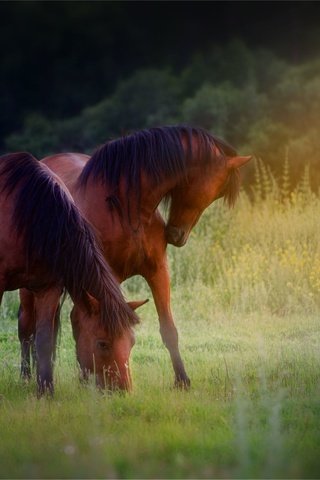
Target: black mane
[
  {"x": 159, "y": 152},
  {"x": 55, "y": 233}
]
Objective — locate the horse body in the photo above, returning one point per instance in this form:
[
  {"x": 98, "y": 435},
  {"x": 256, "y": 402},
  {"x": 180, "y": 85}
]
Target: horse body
[
  {"x": 119, "y": 189},
  {"x": 13, "y": 262},
  {"x": 16, "y": 268},
  {"x": 132, "y": 246},
  {"x": 39, "y": 227},
  {"x": 132, "y": 242}
]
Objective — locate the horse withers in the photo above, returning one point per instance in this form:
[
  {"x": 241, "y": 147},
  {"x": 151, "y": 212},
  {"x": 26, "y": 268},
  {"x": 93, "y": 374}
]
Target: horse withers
[{"x": 46, "y": 246}]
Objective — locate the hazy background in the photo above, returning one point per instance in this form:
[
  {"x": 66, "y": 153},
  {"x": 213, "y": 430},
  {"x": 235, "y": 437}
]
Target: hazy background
[{"x": 74, "y": 74}]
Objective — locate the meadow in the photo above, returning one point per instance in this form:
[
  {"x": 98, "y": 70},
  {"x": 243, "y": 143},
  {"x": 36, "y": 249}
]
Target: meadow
[{"x": 246, "y": 299}]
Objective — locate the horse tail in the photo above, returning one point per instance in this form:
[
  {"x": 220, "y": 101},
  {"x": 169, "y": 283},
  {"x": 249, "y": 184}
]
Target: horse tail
[{"x": 56, "y": 234}]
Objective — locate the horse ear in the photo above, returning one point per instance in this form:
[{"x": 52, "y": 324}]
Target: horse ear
[
  {"x": 94, "y": 304},
  {"x": 138, "y": 303},
  {"x": 237, "y": 162}
]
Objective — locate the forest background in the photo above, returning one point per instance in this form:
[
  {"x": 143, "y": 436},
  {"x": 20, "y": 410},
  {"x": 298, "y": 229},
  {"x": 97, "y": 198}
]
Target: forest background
[{"x": 75, "y": 74}]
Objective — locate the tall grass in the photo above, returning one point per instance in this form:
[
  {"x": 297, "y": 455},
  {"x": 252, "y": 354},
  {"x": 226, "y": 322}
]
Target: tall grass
[
  {"x": 262, "y": 256},
  {"x": 245, "y": 294}
]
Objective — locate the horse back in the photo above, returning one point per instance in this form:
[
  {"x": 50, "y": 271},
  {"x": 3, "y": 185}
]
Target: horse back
[{"x": 67, "y": 166}]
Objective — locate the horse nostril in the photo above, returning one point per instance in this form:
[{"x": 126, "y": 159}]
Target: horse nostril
[
  {"x": 175, "y": 236},
  {"x": 172, "y": 234}
]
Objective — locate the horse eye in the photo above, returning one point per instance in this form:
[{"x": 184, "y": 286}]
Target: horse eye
[{"x": 102, "y": 345}]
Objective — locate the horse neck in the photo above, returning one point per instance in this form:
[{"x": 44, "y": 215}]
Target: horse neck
[
  {"x": 137, "y": 209},
  {"x": 152, "y": 194}
]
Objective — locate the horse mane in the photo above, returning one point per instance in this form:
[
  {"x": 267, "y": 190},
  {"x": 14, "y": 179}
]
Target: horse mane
[
  {"x": 232, "y": 188},
  {"x": 56, "y": 234},
  {"x": 158, "y": 151}
]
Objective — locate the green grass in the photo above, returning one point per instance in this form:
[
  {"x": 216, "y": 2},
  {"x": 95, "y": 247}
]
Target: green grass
[{"x": 246, "y": 300}]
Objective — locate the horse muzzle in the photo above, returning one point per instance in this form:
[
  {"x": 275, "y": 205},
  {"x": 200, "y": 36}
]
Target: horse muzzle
[
  {"x": 176, "y": 236},
  {"x": 114, "y": 381}
]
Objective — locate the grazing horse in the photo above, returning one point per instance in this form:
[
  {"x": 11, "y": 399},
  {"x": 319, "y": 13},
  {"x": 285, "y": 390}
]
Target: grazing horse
[
  {"x": 45, "y": 246},
  {"x": 119, "y": 189}
]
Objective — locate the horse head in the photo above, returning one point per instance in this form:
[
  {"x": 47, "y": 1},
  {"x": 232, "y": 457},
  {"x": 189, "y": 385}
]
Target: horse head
[
  {"x": 204, "y": 184},
  {"x": 99, "y": 351}
]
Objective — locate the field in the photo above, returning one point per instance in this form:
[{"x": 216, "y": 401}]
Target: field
[{"x": 246, "y": 298}]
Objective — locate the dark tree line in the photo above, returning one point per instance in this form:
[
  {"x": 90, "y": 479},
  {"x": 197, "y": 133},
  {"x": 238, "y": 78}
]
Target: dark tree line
[
  {"x": 73, "y": 74},
  {"x": 58, "y": 57}
]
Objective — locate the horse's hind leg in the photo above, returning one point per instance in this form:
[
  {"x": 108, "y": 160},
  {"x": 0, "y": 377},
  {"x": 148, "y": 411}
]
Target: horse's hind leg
[
  {"x": 56, "y": 329},
  {"x": 26, "y": 331},
  {"x": 159, "y": 283}
]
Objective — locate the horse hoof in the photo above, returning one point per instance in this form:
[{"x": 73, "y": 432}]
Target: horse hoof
[
  {"x": 25, "y": 376},
  {"x": 44, "y": 394},
  {"x": 182, "y": 384},
  {"x": 45, "y": 390}
]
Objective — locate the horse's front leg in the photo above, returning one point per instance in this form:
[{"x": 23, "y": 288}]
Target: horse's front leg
[
  {"x": 46, "y": 305},
  {"x": 159, "y": 283},
  {"x": 26, "y": 330}
]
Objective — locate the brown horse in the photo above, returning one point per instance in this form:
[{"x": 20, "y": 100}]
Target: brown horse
[
  {"x": 46, "y": 246},
  {"x": 119, "y": 189}
]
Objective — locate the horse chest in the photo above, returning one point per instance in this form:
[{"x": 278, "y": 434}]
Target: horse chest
[{"x": 125, "y": 255}]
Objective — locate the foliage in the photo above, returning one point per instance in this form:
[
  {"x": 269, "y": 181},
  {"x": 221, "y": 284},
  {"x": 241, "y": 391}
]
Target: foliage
[
  {"x": 246, "y": 298},
  {"x": 224, "y": 109},
  {"x": 149, "y": 97},
  {"x": 59, "y": 59},
  {"x": 255, "y": 101},
  {"x": 264, "y": 255},
  {"x": 39, "y": 136}
]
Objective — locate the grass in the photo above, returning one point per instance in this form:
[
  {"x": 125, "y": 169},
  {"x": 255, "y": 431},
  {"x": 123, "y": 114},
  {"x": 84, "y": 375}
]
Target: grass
[{"x": 246, "y": 297}]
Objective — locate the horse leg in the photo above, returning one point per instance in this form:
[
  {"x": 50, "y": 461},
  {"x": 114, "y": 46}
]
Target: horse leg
[
  {"x": 46, "y": 306},
  {"x": 26, "y": 330},
  {"x": 56, "y": 328},
  {"x": 159, "y": 283}
]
